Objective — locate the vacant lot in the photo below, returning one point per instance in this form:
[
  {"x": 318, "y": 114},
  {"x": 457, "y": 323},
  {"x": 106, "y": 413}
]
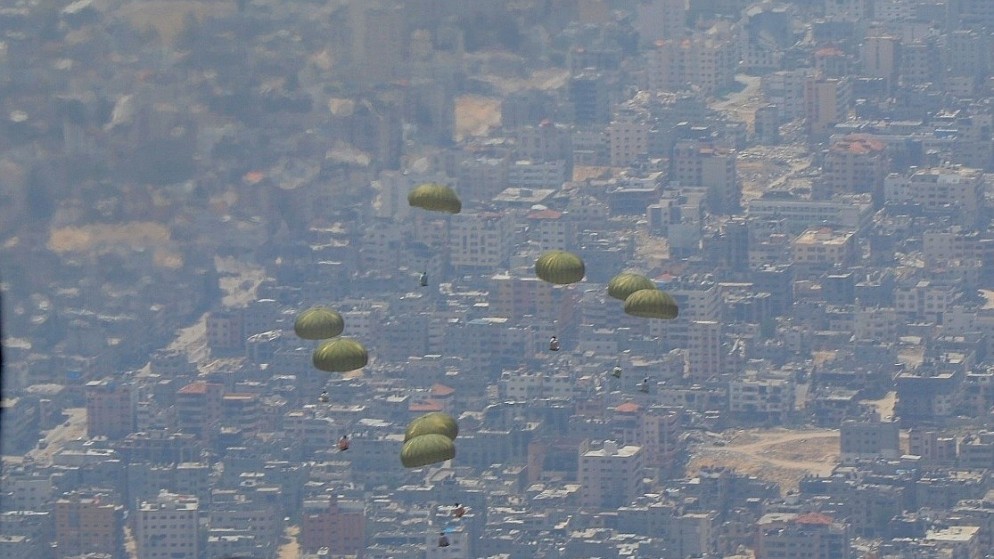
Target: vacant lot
[
  {"x": 779, "y": 455},
  {"x": 475, "y": 115}
]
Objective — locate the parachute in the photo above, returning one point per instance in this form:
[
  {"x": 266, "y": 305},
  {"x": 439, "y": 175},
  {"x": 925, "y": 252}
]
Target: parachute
[
  {"x": 427, "y": 449},
  {"x": 560, "y": 267},
  {"x": 435, "y": 423},
  {"x": 318, "y": 323},
  {"x": 651, "y": 303},
  {"x": 435, "y": 197},
  {"x": 340, "y": 355},
  {"x": 626, "y": 283}
]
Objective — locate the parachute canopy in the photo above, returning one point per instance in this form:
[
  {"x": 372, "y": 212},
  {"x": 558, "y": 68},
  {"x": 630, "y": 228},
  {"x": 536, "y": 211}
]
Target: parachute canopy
[
  {"x": 427, "y": 449},
  {"x": 651, "y": 303},
  {"x": 318, "y": 323},
  {"x": 340, "y": 355},
  {"x": 559, "y": 267},
  {"x": 435, "y": 197},
  {"x": 626, "y": 283},
  {"x": 435, "y": 423}
]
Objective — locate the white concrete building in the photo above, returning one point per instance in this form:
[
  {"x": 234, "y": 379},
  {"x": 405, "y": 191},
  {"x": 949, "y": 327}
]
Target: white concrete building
[{"x": 611, "y": 476}]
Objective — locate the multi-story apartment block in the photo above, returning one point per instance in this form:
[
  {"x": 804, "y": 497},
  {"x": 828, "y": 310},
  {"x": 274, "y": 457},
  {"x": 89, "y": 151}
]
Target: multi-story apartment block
[
  {"x": 921, "y": 62},
  {"x": 198, "y": 408},
  {"x": 167, "y": 527},
  {"x": 785, "y": 89},
  {"x": 611, "y": 476},
  {"x": 588, "y": 93},
  {"x": 326, "y": 523},
  {"x": 661, "y": 19},
  {"x": 548, "y": 141},
  {"x": 515, "y": 297},
  {"x": 551, "y": 230},
  {"x": 480, "y": 241},
  {"x": 88, "y": 523},
  {"x": 851, "y": 212},
  {"x": 826, "y": 103},
  {"x": 225, "y": 331},
  {"x": 928, "y": 396},
  {"x": 482, "y": 178},
  {"x": 880, "y": 57},
  {"x": 760, "y": 395},
  {"x": 854, "y": 164},
  {"x": 802, "y": 536},
  {"x": 659, "y": 433},
  {"x": 704, "y": 353},
  {"x": 704, "y": 62},
  {"x": 967, "y": 53},
  {"x": 880, "y": 324},
  {"x": 699, "y": 164},
  {"x": 243, "y": 411},
  {"x": 823, "y": 248},
  {"x": 953, "y": 190},
  {"x": 923, "y": 299},
  {"x": 628, "y": 139},
  {"x": 110, "y": 409},
  {"x": 378, "y": 42},
  {"x": 699, "y": 298},
  {"x": 945, "y": 245},
  {"x": 518, "y": 387},
  {"x": 233, "y": 513},
  {"x": 537, "y": 174},
  {"x": 870, "y": 438}
]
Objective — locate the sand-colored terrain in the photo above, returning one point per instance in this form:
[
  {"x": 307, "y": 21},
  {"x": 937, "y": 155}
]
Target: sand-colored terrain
[
  {"x": 779, "y": 455},
  {"x": 87, "y": 237},
  {"x": 475, "y": 115}
]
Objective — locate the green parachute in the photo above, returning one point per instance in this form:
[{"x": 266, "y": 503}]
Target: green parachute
[
  {"x": 340, "y": 355},
  {"x": 435, "y": 423},
  {"x": 560, "y": 267},
  {"x": 435, "y": 197},
  {"x": 626, "y": 283},
  {"x": 318, "y": 323},
  {"x": 427, "y": 449},
  {"x": 651, "y": 303}
]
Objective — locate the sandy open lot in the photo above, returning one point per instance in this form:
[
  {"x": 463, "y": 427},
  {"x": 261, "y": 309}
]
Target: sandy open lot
[{"x": 779, "y": 455}]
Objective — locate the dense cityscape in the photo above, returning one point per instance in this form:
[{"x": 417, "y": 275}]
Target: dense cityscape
[{"x": 808, "y": 181}]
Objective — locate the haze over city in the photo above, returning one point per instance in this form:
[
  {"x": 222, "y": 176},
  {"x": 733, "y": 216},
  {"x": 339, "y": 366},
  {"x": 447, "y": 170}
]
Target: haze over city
[{"x": 454, "y": 279}]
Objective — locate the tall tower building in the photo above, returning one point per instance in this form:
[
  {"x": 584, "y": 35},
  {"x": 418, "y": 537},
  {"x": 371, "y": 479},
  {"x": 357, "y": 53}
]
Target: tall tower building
[
  {"x": 110, "y": 409},
  {"x": 880, "y": 57},
  {"x": 611, "y": 476},
  {"x": 589, "y": 95},
  {"x": 700, "y": 164},
  {"x": 379, "y": 41},
  {"x": 661, "y": 19},
  {"x": 659, "y": 434},
  {"x": 704, "y": 349},
  {"x": 167, "y": 527},
  {"x": 826, "y": 103},
  {"x": 198, "y": 408}
]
